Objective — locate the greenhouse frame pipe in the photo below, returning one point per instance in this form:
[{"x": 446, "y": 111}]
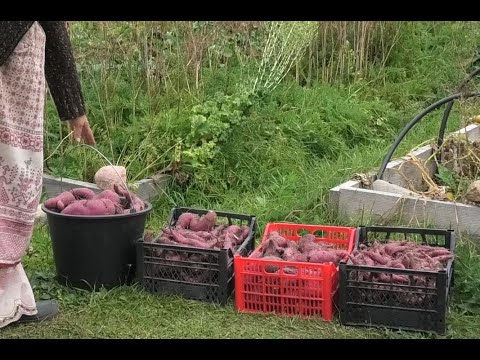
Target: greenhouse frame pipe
[
  {"x": 443, "y": 127},
  {"x": 448, "y": 109},
  {"x": 414, "y": 121}
]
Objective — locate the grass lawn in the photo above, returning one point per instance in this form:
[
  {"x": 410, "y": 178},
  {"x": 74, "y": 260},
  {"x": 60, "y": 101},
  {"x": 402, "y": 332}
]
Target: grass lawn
[
  {"x": 129, "y": 312},
  {"x": 334, "y": 115}
]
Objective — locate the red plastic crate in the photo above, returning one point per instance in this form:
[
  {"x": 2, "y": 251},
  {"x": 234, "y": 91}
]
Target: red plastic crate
[{"x": 308, "y": 293}]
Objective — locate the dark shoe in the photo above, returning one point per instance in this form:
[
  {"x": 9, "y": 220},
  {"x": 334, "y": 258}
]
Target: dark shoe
[{"x": 46, "y": 309}]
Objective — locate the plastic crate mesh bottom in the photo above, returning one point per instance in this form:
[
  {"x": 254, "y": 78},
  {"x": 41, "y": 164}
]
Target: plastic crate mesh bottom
[
  {"x": 429, "y": 320},
  {"x": 419, "y": 292},
  {"x": 158, "y": 287},
  {"x": 181, "y": 266},
  {"x": 283, "y": 295}
]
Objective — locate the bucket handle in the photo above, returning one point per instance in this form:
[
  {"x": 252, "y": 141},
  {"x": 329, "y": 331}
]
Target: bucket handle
[{"x": 128, "y": 196}]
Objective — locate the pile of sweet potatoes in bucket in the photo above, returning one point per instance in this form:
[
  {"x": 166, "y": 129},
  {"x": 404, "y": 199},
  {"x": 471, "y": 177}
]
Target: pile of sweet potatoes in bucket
[
  {"x": 84, "y": 201},
  {"x": 200, "y": 232}
]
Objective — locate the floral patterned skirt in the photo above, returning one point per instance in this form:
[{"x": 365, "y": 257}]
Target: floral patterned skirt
[{"x": 22, "y": 99}]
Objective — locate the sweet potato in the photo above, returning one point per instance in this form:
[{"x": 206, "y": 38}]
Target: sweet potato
[
  {"x": 320, "y": 256},
  {"x": 191, "y": 235},
  {"x": 234, "y": 229},
  {"x": 122, "y": 192},
  {"x": 90, "y": 207},
  {"x": 217, "y": 231},
  {"x": 149, "y": 236},
  {"x": 165, "y": 240},
  {"x": 290, "y": 270},
  {"x": 60, "y": 205},
  {"x": 270, "y": 248},
  {"x": 299, "y": 257},
  {"x": 397, "y": 264},
  {"x": 229, "y": 241},
  {"x": 205, "y": 223},
  {"x": 393, "y": 278},
  {"x": 109, "y": 194},
  {"x": 109, "y": 205},
  {"x": 245, "y": 232},
  {"x": 392, "y": 249},
  {"x": 77, "y": 208},
  {"x": 204, "y": 234},
  {"x": 83, "y": 193},
  {"x": 191, "y": 242},
  {"x": 289, "y": 253},
  {"x": 234, "y": 233},
  {"x": 444, "y": 258},
  {"x": 256, "y": 255},
  {"x": 185, "y": 219},
  {"x": 132, "y": 201},
  {"x": 65, "y": 199},
  {"x": 138, "y": 204},
  {"x": 308, "y": 247},
  {"x": 340, "y": 254},
  {"x": 270, "y": 268},
  {"x": 439, "y": 252},
  {"x": 376, "y": 257},
  {"x": 278, "y": 239},
  {"x": 293, "y": 245},
  {"x": 368, "y": 261},
  {"x": 304, "y": 242}
]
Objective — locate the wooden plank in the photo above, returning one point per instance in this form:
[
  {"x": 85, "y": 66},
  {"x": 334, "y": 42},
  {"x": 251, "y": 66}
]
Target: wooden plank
[
  {"x": 334, "y": 193},
  {"x": 403, "y": 172},
  {"x": 406, "y": 173},
  {"x": 383, "y": 207},
  {"x": 146, "y": 189},
  {"x": 55, "y": 185}
]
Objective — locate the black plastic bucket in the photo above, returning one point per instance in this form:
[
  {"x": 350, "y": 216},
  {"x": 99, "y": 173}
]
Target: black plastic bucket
[{"x": 94, "y": 251}]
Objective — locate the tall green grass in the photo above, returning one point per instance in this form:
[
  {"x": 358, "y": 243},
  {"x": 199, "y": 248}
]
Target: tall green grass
[{"x": 357, "y": 84}]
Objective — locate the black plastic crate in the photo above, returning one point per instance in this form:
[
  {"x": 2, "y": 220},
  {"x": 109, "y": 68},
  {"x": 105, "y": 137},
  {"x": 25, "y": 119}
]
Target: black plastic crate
[
  {"x": 419, "y": 305},
  {"x": 199, "y": 274}
]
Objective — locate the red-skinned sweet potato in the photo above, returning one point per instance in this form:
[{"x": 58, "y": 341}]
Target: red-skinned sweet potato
[
  {"x": 90, "y": 207},
  {"x": 245, "y": 231},
  {"x": 290, "y": 270},
  {"x": 205, "y": 223},
  {"x": 321, "y": 256},
  {"x": 185, "y": 219},
  {"x": 77, "y": 208},
  {"x": 65, "y": 199},
  {"x": 83, "y": 193},
  {"x": 376, "y": 257},
  {"x": 256, "y": 255},
  {"x": 109, "y": 194},
  {"x": 191, "y": 242},
  {"x": 132, "y": 201},
  {"x": 270, "y": 268},
  {"x": 444, "y": 258},
  {"x": 204, "y": 234},
  {"x": 308, "y": 247},
  {"x": 304, "y": 244},
  {"x": 278, "y": 239},
  {"x": 165, "y": 240},
  {"x": 191, "y": 235},
  {"x": 298, "y": 257}
]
